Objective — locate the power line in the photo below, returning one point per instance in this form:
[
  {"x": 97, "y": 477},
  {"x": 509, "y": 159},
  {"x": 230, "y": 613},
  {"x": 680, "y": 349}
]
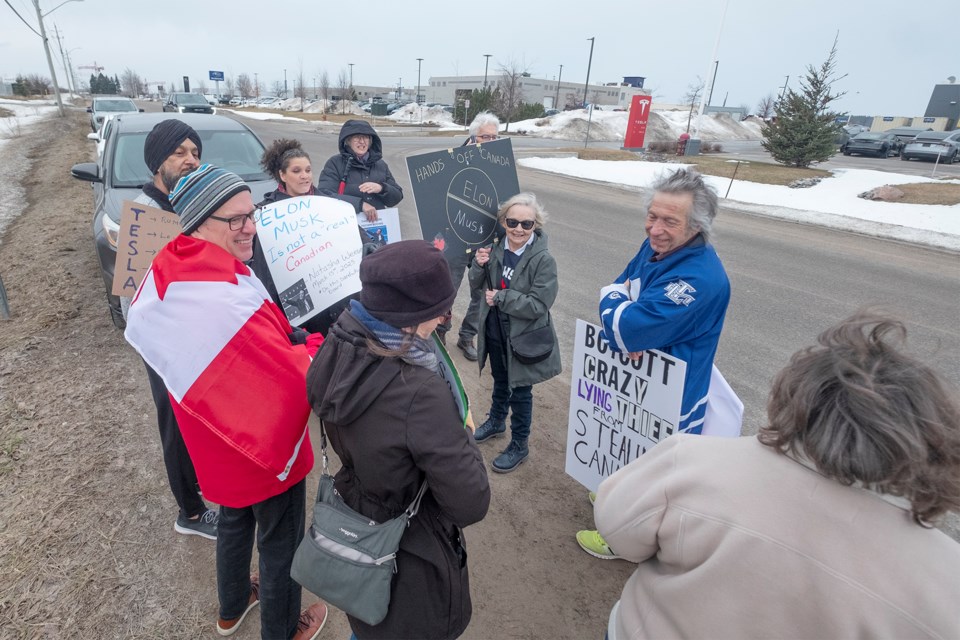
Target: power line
[{"x": 21, "y": 17}]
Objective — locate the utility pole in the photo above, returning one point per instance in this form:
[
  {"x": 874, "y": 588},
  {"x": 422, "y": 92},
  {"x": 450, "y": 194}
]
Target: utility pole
[
  {"x": 63, "y": 59},
  {"x": 587, "y": 83},
  {"x": 284, "y": 83},
  {"x": 785, "y": 83},
  {"x": 485, "y": 67},
  {"x": 256, "y": 83},
  {"x": 351, "y": 74},
  {"x": 46, "y": 48},
  {"x": 556, "y": 100}
]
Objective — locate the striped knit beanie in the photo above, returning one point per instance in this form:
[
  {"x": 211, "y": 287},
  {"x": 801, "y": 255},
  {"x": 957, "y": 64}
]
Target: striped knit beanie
[{"x": 198, "y": 195}]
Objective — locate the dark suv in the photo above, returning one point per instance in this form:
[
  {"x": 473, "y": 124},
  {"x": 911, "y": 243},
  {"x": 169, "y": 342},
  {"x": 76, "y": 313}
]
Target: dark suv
[{"x": 187, "y": 103}]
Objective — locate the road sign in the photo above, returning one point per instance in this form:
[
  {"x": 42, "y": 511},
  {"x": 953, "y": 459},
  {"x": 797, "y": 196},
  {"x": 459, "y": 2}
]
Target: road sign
[{"x": 216, "y": 75}]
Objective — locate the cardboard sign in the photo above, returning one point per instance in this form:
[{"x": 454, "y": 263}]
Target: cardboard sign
[
  {"x": 619, "y": 408},
  {"x": 143, "y": 232},
  {"x": 313, "y": 249},
  {"x": 459, "y": 191},
  {"x": 386, "y": 230}
]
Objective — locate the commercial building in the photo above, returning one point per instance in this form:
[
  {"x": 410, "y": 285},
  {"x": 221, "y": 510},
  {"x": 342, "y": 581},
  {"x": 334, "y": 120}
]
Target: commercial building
[{"x": 549, "y": 92}]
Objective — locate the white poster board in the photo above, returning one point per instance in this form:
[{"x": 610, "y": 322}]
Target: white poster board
[
  {"x": 619, "y": 407},
  {"x": 313, "y": 249},
  {"x": 386, "y": 230}
]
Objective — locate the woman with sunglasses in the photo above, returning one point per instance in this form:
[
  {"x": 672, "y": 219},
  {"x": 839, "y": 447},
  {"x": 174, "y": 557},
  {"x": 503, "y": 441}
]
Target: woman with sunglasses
[{"x": 518, "y": 279}]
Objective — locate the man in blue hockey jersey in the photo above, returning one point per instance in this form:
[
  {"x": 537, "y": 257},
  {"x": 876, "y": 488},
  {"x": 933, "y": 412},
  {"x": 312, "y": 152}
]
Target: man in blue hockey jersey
[{"x": 672, "y": 297}]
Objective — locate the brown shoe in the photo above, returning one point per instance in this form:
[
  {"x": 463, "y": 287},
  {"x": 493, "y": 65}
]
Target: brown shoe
[
  {"x": 311, "y": 622},
  {"x": 229, "y": 627}
]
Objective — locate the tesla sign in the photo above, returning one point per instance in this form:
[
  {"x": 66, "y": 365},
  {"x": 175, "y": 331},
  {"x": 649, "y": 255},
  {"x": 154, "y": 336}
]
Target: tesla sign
[{"x": 637, "y": 122}]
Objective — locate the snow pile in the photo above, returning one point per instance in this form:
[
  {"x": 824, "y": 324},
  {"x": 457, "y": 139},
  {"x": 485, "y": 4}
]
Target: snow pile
[
  {"x": 414, "y": 114},
  {"x": 611, "y": 126},
  {"x": 25, "y": 113},
  {"x": 259, "y": 115},
  {"x": 13, "y": 170},
  {"x": 832, "y": 203}
]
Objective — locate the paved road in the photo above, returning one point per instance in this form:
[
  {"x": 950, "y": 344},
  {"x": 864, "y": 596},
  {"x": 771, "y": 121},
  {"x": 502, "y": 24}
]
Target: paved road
[{"x": 790, "y": 281}]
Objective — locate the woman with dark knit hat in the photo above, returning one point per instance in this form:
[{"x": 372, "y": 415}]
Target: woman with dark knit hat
[{"x": 393, "y": 407}]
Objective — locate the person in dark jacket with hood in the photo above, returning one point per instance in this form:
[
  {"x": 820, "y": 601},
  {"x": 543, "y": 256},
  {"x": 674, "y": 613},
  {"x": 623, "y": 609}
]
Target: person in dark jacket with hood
[
  {"x": 518, "y": 278},
  {"x": 290, "y": 166},
  {"x": 359, "y": 172},
  {"x": 396, "y": 415}
]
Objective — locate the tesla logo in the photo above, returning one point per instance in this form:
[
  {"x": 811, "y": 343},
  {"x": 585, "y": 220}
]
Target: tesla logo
[{"x": 644, "y": 105}]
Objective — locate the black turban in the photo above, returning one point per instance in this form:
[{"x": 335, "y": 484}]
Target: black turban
[{"x": 164, "y": 139}]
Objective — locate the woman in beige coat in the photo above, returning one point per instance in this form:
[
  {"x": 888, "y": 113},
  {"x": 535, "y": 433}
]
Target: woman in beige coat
[{"x": 816, "y": 528}]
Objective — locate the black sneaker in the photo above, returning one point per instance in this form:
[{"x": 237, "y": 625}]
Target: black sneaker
[
  {"x": 204, "y": 526},
  {"x": 490, "y": 428}
]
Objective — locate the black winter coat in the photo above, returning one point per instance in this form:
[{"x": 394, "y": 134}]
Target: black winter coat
[
  {"x": 320, "y": 323},
  {"x": 353, "y": 172},
  {"x": 394, "y": 424}
]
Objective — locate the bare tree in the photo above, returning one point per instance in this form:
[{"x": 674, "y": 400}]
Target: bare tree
[
  {"x": 299, "y": 88},
  {"x": 202, "y": 87},
  {"x": 244, "y": 85},
  {"x": 510, "y": 84},
  {"x": 277, "y": 87},
  {"x": 692, "y": 97},
  {"x": 343, "y": 85},
  {"x": 765, "y": 106},
  {"x": 325, "y": 89},
  {"x": 230, "y": 84},
  {"x": 131, "y": 83}
]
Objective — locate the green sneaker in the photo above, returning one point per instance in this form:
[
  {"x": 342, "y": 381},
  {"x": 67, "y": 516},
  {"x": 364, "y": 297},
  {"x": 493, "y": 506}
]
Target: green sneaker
[
  {"x": 593, "y": 543},
  {"x": 592, "y": 497}
]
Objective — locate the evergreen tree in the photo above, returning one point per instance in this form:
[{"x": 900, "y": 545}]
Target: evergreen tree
[{"x": 805, "y": 129}]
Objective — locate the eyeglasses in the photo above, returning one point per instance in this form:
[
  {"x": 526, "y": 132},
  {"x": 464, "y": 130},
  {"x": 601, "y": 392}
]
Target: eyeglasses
[
  {"x": 237, "y": 222},
  {"x": 526, "y": 224},
  {"x": 487, "y": 137}
]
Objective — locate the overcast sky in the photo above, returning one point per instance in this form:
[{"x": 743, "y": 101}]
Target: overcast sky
[{"x": 892, "y": 53}]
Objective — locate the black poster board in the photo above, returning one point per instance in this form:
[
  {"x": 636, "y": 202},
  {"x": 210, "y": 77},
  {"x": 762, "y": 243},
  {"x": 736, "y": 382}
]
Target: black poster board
[{"x": 459, "y": 190}]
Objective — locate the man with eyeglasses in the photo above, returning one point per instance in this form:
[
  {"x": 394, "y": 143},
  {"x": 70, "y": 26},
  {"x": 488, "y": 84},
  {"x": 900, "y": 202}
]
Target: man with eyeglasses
[
  {"x": 172, "y": 150},
  {"x": 484, "y": 128},
  {"x": 235, "y": 370}
]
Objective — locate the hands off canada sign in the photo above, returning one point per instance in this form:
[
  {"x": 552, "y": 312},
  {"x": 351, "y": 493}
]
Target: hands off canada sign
[
  {"x": 619, "y": 407},
  {"x": 458, "y": 192}
]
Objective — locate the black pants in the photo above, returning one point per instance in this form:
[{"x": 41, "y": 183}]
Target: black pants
[{"x": 180, "y": 472}]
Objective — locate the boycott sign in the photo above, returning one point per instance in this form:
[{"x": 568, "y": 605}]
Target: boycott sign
[
  {"x": 312, "y": 247},
  {"x": 143, "y": 232},
  {"x": 619, "y": 407},
  {"x": 458, "y": 192}
]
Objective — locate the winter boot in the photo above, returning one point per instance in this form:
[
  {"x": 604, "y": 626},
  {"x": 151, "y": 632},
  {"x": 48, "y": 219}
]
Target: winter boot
[
  {"x": 491, "y": 427},
  {"x": 515, "y": 453}
]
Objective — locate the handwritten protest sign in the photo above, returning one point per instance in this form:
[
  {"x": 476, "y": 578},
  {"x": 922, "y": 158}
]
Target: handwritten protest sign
[
  {"x": 312, "y": 247},
  {"x": 143, "y": 232},
  {"x": 619, "y": 408},
  {"x": 458, "y": 192},
  {"x": 386, "y": 230}
]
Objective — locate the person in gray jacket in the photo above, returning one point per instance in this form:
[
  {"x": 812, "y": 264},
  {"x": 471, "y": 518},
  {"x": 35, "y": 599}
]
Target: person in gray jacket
[{"x": 518, "y": 279}]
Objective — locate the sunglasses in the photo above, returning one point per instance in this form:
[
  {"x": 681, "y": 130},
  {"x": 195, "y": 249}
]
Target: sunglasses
[{"x": 526, "y": 224}]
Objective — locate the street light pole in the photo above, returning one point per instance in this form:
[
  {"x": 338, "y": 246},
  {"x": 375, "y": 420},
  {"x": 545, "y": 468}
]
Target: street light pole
[
  {"x": 417, "y": 98},
  {"x": 350, "y": 64},
  {"x": 486, "y": 66},
  {"x": 284, "y": 83},
  {"x": 587, "y": 83},
  {"x": 556, "y": 100}
]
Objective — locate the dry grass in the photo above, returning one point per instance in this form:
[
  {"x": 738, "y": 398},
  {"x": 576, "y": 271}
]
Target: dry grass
[
  {"x": 5, "y": 113},
  {"x": 930, "y": 193}
]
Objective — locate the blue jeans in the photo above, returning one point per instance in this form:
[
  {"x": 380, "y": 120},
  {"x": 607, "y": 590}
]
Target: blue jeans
[
  {"x": 519, "y": 400},
  {"x": 277, "y": 523}
]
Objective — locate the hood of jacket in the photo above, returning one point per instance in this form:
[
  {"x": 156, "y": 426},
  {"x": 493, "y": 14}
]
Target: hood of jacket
[
  {"x": 345, "y": 377},
  {"x": 354, "y": 127}
]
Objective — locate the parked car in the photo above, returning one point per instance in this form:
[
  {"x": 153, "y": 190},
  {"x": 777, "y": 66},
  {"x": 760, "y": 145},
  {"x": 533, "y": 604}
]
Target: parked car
[
  {"x": 102, "y": 107},
  {"x": 550, "y": 112},
  {"x": 120, "y": 174},
  {"x": 187, "y": 103},
  {"x": 930, "y": 145},
  {"x": 905, "y": 134},
  {"x": 882, "y": 144},
  {"x": 211, "y": 99}
]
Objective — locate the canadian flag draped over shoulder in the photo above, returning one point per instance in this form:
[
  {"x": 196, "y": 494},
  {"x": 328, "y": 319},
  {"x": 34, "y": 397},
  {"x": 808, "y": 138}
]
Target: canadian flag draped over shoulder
[{"x": 207, "y": 326}]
